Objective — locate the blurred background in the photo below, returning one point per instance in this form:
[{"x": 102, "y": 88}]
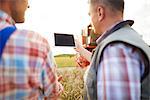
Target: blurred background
[{"x": 71, "y": 16}]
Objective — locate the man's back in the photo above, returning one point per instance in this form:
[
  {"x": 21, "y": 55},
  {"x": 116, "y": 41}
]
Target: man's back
[{"x": 27, "y": 70}]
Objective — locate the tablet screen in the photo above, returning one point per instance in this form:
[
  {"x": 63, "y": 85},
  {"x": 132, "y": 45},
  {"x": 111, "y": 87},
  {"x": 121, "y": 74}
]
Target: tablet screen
[{"x": 64, "y": 39}]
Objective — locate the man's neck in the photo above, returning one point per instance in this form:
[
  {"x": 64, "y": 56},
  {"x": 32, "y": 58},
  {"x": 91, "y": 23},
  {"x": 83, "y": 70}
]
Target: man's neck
[{"x": 110, "y": 22}]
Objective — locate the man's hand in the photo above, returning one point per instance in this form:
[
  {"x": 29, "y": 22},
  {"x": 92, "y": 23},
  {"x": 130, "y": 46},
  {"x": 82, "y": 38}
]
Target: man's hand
[
  {"x": 82, "y": 62},
  {"x": 59, "y": 78}
]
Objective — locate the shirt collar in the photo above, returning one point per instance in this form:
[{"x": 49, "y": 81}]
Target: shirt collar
[
  {"x": 113, "y": 28},
  {"x": 5, "y": 18}
]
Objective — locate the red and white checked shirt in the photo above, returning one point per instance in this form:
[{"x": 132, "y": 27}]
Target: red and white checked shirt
[
  {"x": 119, "y": 72},
  {"x": 27, "y": 68}
]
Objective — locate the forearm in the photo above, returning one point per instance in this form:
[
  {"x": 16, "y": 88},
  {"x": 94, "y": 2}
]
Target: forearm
[
  {"x": 86, "y": 54},
  {"x": 52, "y": 88}
]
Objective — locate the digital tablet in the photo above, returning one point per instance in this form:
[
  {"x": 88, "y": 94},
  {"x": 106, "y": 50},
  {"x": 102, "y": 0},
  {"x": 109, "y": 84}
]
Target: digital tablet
[{"x": 64, "y": 39}]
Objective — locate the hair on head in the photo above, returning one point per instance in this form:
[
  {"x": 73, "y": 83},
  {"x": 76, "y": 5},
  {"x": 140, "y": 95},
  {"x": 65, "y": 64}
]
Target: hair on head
[{"x": 114, "y": 5}]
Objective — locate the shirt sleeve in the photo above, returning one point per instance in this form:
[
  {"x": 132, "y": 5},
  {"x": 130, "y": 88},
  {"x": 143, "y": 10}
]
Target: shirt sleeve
[
  {"x": 51, "y": 86},
  {"x": 119, "y": 73}
]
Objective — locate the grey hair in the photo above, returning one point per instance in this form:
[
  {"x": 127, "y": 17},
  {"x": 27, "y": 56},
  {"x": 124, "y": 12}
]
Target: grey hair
[{"x": 114, "y": 5}]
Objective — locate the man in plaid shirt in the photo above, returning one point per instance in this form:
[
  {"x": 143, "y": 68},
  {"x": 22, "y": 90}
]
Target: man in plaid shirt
[
  {"x": 120, "y": 65},
  {"x": 27, "y": 68}
]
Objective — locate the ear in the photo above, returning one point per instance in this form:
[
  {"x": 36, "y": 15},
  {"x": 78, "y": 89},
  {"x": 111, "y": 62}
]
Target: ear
[{"x": 101, "y": 13}]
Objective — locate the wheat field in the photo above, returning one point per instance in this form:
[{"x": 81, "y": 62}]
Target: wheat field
[
  {"x": 72, "y": 77},
  {"x": 65, "y": 60},
  {"x": 72, "y": 82}
]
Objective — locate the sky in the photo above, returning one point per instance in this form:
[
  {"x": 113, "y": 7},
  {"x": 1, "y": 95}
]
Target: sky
[{"x": 70, "y": 16}]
